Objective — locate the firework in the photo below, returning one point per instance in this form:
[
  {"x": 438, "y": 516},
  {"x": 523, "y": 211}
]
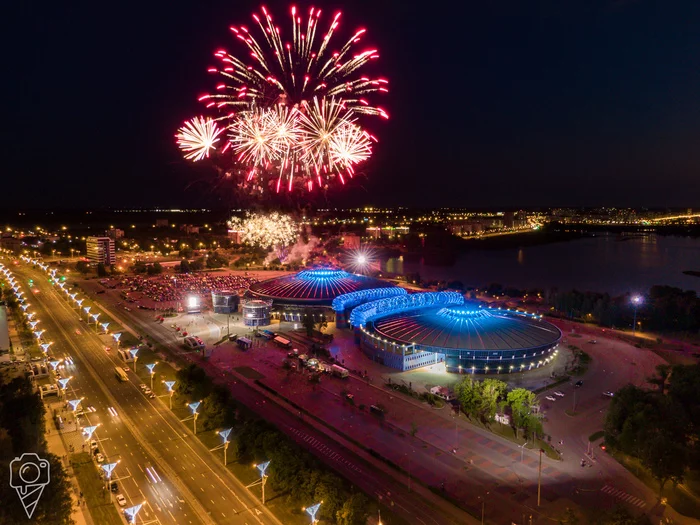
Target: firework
[
  {"x": 197, "y": 137},
  {"x": 291, "y": 107},
  {"x": 273, "y": 231}
]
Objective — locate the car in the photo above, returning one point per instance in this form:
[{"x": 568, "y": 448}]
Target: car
[
  {"x": 77, "y": 332},
  {"x": 349, "y": 397},
  {"x": 107, "y": 348},
  {"x": 142, "y": 387},
  {"x": 551, "y": 398},
  {"x": 114, "y": 487},
  {"x": 93, "y": 444},
  {"x": 559, "y": 393},
  {"x": 593, "y": 342},
  {"x": 609, "y": 394},
  {"x": 147, "y": 391},
  {"x": 126, "y": 369},
  {"x": 121, "y": 500},
  {"x": 100, "y": 458},
  {"x": 578, "y": 383}
]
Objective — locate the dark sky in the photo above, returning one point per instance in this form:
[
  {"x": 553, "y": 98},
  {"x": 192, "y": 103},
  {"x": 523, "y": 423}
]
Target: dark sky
[{"x": 507, "y": 103}]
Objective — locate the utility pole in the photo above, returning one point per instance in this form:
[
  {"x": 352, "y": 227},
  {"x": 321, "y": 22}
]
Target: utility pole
[{"x": 539, "y": 480}]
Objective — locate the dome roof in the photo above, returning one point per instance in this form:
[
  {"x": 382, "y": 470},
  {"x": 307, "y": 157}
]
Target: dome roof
[
  {"x": 314, "y": 287},
  {"x": 467, "y": 327}
]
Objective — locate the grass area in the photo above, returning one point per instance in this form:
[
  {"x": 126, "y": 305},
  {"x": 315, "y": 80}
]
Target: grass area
[
  {"x": 507, "y": 432},
  {"x": 681, "y": 500},
  {"x": 596, "y": 436},
  {"x": 91, "y": 484}
]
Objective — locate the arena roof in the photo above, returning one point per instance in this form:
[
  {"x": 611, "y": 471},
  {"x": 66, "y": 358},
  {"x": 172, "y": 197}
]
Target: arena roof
[
  {"x": 467, "y": 327},
  {"x": 314, "y": 287}
]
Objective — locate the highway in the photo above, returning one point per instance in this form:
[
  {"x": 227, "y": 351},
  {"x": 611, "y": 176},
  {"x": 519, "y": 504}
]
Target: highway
[{"x": 189, "y": 485}]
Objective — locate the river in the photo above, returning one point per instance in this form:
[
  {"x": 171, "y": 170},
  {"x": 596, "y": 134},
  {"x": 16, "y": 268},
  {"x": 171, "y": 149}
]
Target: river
[{"x": 602, "y": 263}]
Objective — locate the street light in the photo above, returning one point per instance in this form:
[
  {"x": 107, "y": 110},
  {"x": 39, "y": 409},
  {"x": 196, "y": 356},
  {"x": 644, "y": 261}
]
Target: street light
[
  {"x": 636, "y": 301},
  {"x": 116, "y": 338},
  {"x": 45, "y": 347},
  {"x": 224, "y": 435},
  {"x": 150, "y": 367},
  {"x": 94, "y": 317},
  {"x": 64, "y": 382},
  {"x": 193, "y": 407},
  {"x": 87, "y": 312},
  {"x": 130, "y": 513},
  {"x": 104, "y": 326},
  {"x": 262, "y": 467},
  {"x": 312, "y": 511},
  {"x": 483, "y": 506},
  {"x": 169, "y": 386},
  {"x": 134, "y": 356}
]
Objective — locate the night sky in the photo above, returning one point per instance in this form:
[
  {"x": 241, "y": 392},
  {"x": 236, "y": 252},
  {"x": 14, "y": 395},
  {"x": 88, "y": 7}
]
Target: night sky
[{"x": 506, "y": 104}]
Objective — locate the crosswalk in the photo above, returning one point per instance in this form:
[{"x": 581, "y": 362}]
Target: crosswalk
[
  {"x": 326, "y": 451},
  {"x": 623, "y": 496}
]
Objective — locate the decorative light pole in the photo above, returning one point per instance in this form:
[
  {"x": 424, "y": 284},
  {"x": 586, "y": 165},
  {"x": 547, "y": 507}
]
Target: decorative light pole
[
  {"x": 94, "y": 318},
  {"x": 39, "y": 334},
  {"x": 131, "y": 512},
  {"x": 54, "y": 364},
  {"x": 116, "y": 338},
  {"x": 64, "y": 382},
  {"x": 169, "y": 385},
  {"x": 89, "y": 431},
  {"x": 193, "y": 407},
  {"x": 32, "y": 324},
  {"x": 74, "y": 403},
  {"x": 45, "y": 347},
  {"x": 312, "y": 511},
  {"x": 134, "y": 356},
  {"x": 224, "y": 435},
  {"x": 150, "y": 367},
  {"x": 636, "y": 301},
  {"x": 108, "y": 468},
  {"x": 87, "y": 313},
  {"x": 104, "y": 326},
  {"x": 79, "y": 302}
]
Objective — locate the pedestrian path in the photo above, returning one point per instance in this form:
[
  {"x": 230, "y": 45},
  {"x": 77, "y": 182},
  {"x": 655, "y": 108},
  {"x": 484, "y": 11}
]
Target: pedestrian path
[
  {"x": 326, "y": 451},
  {"x": 623, "y": 496}
]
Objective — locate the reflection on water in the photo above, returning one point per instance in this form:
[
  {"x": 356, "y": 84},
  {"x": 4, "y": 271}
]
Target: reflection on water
[{"x": 602, "y": 263}]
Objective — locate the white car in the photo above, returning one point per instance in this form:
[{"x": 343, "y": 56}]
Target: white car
[
  {"x": 609, "y": 394},
  {"x": 559, "y": 393},
  {"x": 100, "y": 458},
  {"x": 93, "y": 444},
  {"x": 126, "y": 369},
  {"x": 142, "y": 387},
  {"x": 551, "y": 398},
  {"x": 147, "y": 390},
  {"x": 121, "y": 500}
]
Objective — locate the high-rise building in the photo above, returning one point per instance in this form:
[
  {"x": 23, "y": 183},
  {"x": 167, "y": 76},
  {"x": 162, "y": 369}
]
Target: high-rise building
[{"x": 101, "y": 250}]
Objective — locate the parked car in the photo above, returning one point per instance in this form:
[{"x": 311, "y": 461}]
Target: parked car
[
  {"x": 114, "y": 487},
  {"x": 559, "y": 393},
  {"x": 593, "y": 341},
  {"x": 551, "y": 398},
  {"x": 126, "y": 369},
  {"x": 609, "y": 394},
  {"x": 121, "y": 500},
  {"x": 93, "y": 444},
  {"x": 100, "y": 458},
  {"x": 579, "y": 383},
  {"x": 143, "y": 387}
]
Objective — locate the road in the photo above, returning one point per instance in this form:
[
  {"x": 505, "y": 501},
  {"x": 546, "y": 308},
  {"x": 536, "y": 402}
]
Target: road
[{"x": 190, "y": 485}]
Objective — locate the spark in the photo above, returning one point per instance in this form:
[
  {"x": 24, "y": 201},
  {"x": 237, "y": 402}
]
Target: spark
[{"x": 197, "y": 137}]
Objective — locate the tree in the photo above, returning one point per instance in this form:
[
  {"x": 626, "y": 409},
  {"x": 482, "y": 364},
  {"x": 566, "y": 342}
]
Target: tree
[
  {"x": 354, "y": 511},
  {"x": 521, "y": 402},
  {"x": 82, "y": 267},
  {"x": 308, "y": 322},
  {"x": 468, "y": 394},
  {"x": 663, "y": 371},
  {"x": 186, "y": 253},
  {"x": 139, "y": 267},
  {"x": 185, "y": 266},
  {"x": 101, "y": 270},
  {"x": 197, "y": 264},
  {"x": 492, "y": 391},
  {"x": 216, "y": 260},
  {"x": 154, "y": 269}
]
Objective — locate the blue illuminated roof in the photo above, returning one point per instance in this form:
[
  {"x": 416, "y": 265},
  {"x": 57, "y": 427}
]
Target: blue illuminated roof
[
  {"x": 402, "y": 303},
  {"x": 467, "y": 327},
  {"x": 352, "y": 299},
  {"x": 317, "y": 286}
]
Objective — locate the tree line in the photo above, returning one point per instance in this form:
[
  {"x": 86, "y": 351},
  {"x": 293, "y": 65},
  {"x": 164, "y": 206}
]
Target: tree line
[
  {"x": 293, "y": 472},
  {"x": 660, "y": 426}
]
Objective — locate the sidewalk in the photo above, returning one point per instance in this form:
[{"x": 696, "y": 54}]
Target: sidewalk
[{"x": 55, "y": 444}]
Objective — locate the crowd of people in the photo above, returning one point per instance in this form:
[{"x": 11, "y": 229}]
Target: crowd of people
[{"x": 170, "y": 288}]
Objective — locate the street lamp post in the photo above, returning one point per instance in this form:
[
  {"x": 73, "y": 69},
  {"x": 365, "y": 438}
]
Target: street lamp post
[
  {"x": 224, "y": 435},
  {"x": 87, "y": 313},
  {"x": 116, "y": 337},
  {"x": 312, "y": 511},
  {"x": 193, "y": 407},
  {"x": 636, "y": 301},
  {"x": 169, "y": 386},
  {"x": 150, "y": 367},
  {"x": 134, "y": 356},
  {"x": 483, "y": 506},
  {"x": 539, "y": 479}
]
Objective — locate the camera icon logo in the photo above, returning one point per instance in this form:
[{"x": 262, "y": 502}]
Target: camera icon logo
[{"x": 29, "y": 474}]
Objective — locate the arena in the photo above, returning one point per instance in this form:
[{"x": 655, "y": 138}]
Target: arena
[
  {"x": 316, "y": 288},
  {"x": 411, "y": 331}
]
